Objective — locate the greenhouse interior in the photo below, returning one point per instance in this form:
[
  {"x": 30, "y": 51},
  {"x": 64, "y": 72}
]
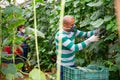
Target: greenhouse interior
[{"x": 59, "y": 39}]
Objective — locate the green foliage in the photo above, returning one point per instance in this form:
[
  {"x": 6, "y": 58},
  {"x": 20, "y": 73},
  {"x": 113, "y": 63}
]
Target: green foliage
[
  {"x": 19, "y": 65},
  {"x": 97, "y": 23},
  {"x": 89, "y": 15},
  {"x": 46, "y": 26},
  {"x": 36, "y": 74},
  {"x": 31, "y": 31},
  {"x": 41, "y": 1},
  {"x": 12, "y": 12},
  {"x": 9, "y": 71},
  {"x": 95, "y": 4},
  {"x": 12, "y": 19}
]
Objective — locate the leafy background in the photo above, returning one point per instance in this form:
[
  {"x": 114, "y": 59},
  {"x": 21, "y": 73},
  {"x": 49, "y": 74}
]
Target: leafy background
[{"x": 88, "y": 14}]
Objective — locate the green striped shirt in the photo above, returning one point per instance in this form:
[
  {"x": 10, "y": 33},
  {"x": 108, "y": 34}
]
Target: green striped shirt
[{"x": 69, "y": 47}]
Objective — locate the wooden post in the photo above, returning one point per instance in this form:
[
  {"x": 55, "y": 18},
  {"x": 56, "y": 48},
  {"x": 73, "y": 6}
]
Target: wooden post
[
  {"x": 117, "y": 13},
  {"x": 0, "y": 34}
]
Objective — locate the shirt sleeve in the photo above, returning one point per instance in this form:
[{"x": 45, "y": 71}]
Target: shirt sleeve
[
  {"x": 84, "y": 34},
  {"x": 22, "y": 35},
  {"x": 66, "y": 42}
]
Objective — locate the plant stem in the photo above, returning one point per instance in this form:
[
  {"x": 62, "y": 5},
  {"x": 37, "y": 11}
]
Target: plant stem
[
  {"x": 13, "y": 48},
  {"x": 36, "y": 40},
  {"x": 60, "y": 39}
]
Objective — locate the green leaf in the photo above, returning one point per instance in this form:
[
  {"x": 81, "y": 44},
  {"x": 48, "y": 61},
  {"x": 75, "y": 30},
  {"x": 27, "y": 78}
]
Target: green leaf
[
  {"x": 19, "y": 75},
  {"x": 109, "y": 26},
  {"x": 19, "y": 40},
  {"x": 79, "y": 61},
  {"x": 31, "y": 30},
  {"x": 9, "y": 76},
  {"x": 107, "y": 18},
  {"x": 9, "y": 1},
  {"x": 85, "y": 23},
  {"x": 117, "y": 48},
  {"x": 75, "y": 3},
  {"x": 117, "y": 60},
  {"x": 76, "y": 10},
  {"x": 87, "y": 0},
  {"x": 13, "y": 11},
  {"x": 95, "y": 15},
  {"x": 19, "y": 65},
  {"x": 6, "y": 41},
  {"x": 36, "y": 74},
  {"x": 84, "y": 1},
  {"x": 68, "y": 1},
  {"x": 11, "y": 69},
  {"x": 113, "y": 68},
  {"x": 110, "y": 37},
  {"x": 95, "y": 4},
  {"x": 50, "y": 52},
  {"x": 41, "y": 1},
  {"x": 97, "y": 23},
  {"x": 114, "y": 28},
  {"x": 16, "y": 22}
]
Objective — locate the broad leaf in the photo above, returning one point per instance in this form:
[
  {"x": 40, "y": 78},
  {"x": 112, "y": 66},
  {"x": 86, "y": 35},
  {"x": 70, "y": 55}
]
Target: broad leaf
[
  {"x": 6, "y": 41},
  {"x": 68, "y": 1},
  {"x": 19, "y": 40},
  {"x": 41, "y": 1},
  {"x": 95, "y": 15},
  {"x": 107, "y": 18},
  {"x": 114, "y": 68},
  {"x": 95, "y": 4},
  {"x": 13, "y": 11},
  {"x": 9, "y": 1},
  {"x": 19, "y": 75},
  {"x": 11, "y": 69},
  {"x": 109, "y": 26},
  {"x": 117, "y": 60},
  {"x": 19, "y": 65},
  {"x": 110, "y": 37},
  {"x": 75, "y": 3},
  {"x": 97, "y": 23},
  {"x": 79, "y": 61},
  {"x": 85, "y": 23},
  {"x": 9, "y": 76},
  {"x": 31, "y": 31},
  {"x": 16, "y": 22},
  {"x": 36, "y": 74}
]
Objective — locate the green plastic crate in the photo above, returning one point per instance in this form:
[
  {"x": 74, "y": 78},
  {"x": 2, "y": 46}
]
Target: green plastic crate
[{"x": 96, "y": 73}]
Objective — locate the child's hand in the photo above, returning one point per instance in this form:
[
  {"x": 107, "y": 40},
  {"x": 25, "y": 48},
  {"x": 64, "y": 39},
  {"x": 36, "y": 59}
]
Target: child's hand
[{"x": 28, "y": 37}]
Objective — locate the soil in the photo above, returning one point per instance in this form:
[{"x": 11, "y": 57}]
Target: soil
[{"x": 25, "y": 76}]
